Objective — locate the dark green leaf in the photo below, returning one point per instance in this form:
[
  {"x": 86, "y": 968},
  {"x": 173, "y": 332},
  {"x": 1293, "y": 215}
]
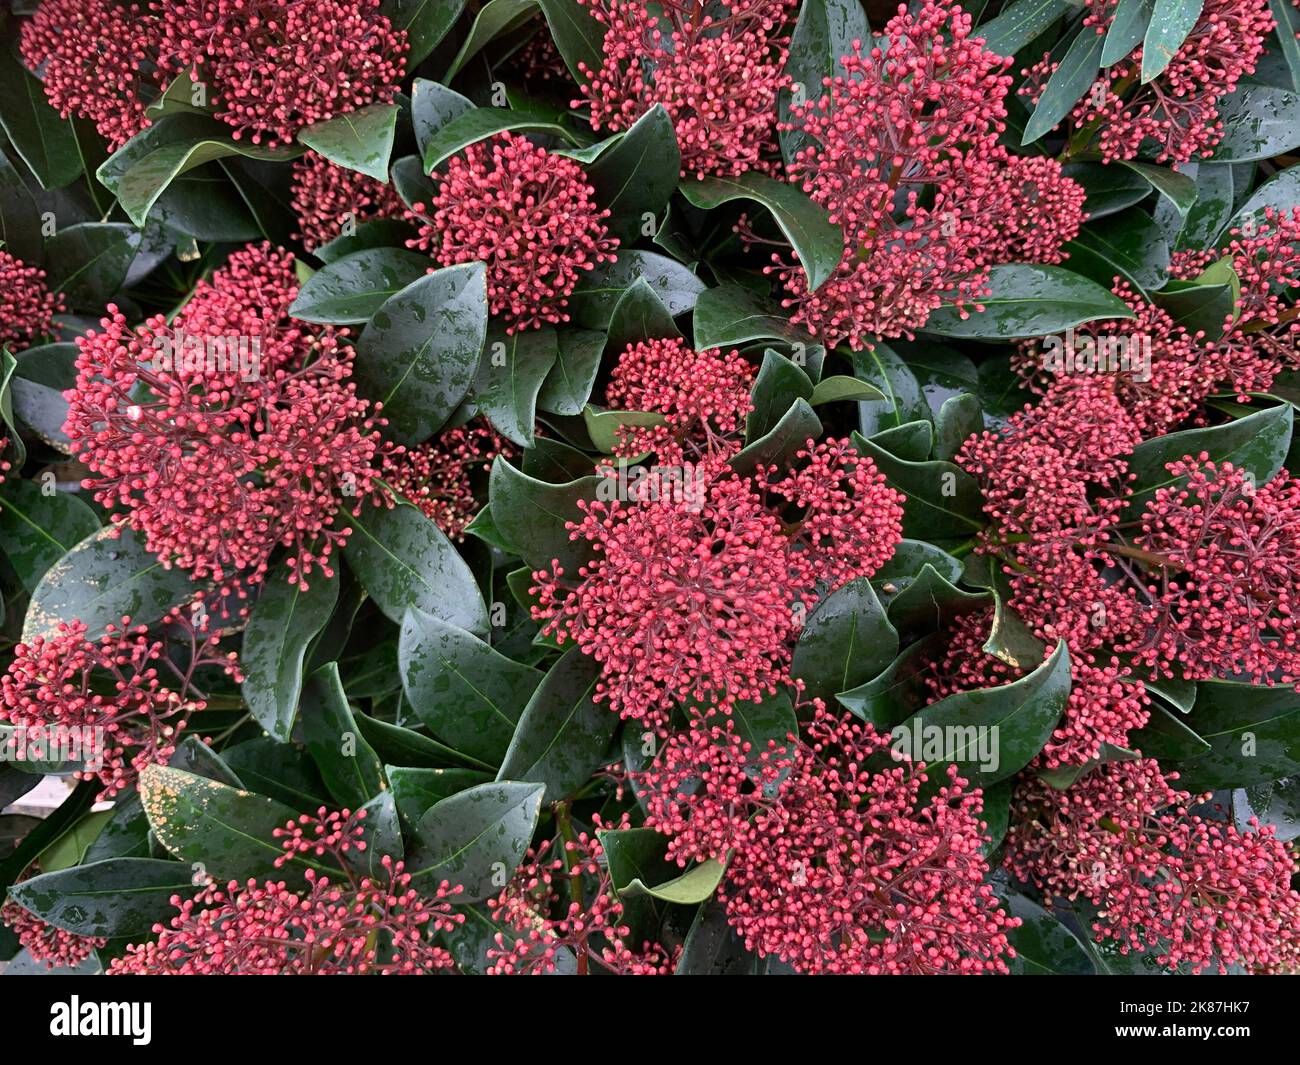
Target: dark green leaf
[
  {"x": 1210, "y": 212},
  {"x": 942, "y": 500},
  {"x": 777, "y": 385},
  {"x": 731, "y": 315},
  {"x": 635, "y": 177},
  {"x": 1044, "y": 946},
  {"x": 1171, "y": 22},
  {"x": 1020, "y": 23},
  {"x": 563, "y": 735},
  {"x": 1026, "y": 301},
  {"x": 904, "y": 399},
  {"x": 894, "y": 695},
  {"x": 477, "y": 838},
  {"x": 1284, "y": 14},
  {"x": 911, "y": 441},
  {"x": 115, "y": 897},
  {"x": 958, "y": 419},
  {"x": 568, "y": 385},
  {"x": 639, "y": 315},
  {"x": 415, "y": 790},
  {"x": 990, "y": 733},
  {"x": 495, "y": 18},
  {"x": 284, "y": 621},
  {"x": 531, "y": 514},
  {"x": 480, "y": 124},
  {"x": 824, "y": 33},
  {"x": 1177, "y": 188},
  {"x": 45, "y": 141},
  {"x": 600, "y": 290},
  {"x": 817, "y": 241},
  {"x": 1127, "y": 28},
  {"x": 1167, "y": 736},
  {"x": 931, "y": 603},
  {"x": 847, "y": 641},
  {"x": 283, "y": 771},
  {"x": 349, "y": 766},
  {"x": 360, "y": 140},
  {"x": 1072, "y": 78},
  {"x": 1010, "y": 639},
  {"x": 1257, "y": 443},
  {"x": 148, "y": 178},
  {"x": 577, "y": 35},
  {"x": 102, "y": 580},
  {"x": 404, "y": 561},
  {"x": 510, "y": 376},
  {"x": 88, "y": 262},
  {"x": 418, "y": 353},
  {"x": 426, "y": 23},
  {"x": 37, "y": 528},
  {"x": 433, "y": 106},
  {"x": 41, "y": 378},
  {"x": 713, "y": 948},
  {"x": 228, "y": 830},
  {"x": 1109, "y": 188},
  {"x": 353, "y": 288},
  {"x": 1253, "y": 733},
  {"x": 20, "y": 219},
  {"x": 1281, "y": 192},
  {"x": 460, "y": 688},
  {"x": 792, "y": 432},
  {"x": 1259, "y": 122},
  {"x": 1128, "y": 245}
]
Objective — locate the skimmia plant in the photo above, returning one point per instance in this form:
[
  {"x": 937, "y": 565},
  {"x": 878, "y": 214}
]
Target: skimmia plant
[{"x": 608, "y": 487}]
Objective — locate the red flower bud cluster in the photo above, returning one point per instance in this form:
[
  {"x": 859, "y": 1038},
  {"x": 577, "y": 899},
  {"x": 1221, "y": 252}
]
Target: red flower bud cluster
[
  {"x": 269, "y": 67},
  {"x": 1189, "y": 888},
  {"x": 699, "y": 585},
  {"x": 329, "y": 199},
  {"x": 65, "y": 687},
  {"x": 562, "y": 908},
  {"x": 229, "y": 432},
  {"x": 439, "y": 475},
  {"x": 716, "y": 71},
  {"x": 1178, "y": 109},
  {"x": 27, "y": 306},
  {"x": 529, "y": 215},
  {"x": 836, "y": 861},
  {"x": 356, "y": 924},
  {"x": 904, "y": 155}
]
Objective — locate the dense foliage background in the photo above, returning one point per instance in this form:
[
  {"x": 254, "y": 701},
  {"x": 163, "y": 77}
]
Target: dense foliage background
[{"x": 703, "y": 487}]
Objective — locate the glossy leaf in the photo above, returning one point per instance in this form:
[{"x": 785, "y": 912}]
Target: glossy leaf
[
  {"x": 462, "y": 690},
  {"x": 817, "y": 241},
  {"x": 476, "y": 838},
  {"x": 403, "y": 560},
  {"x": 1029, "y": 301},
  {"x": 418, "y": 353},
  {"x": 991, "y": 733},
  {"x": 352, "y": 288},
  {"x": 846, "y": 641},
  {"x": 351, "y": 769},
  {"x": 101, "y": 580},
  {"x": 360, "y": 140},
  {"x": 563, "y": 735}
]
